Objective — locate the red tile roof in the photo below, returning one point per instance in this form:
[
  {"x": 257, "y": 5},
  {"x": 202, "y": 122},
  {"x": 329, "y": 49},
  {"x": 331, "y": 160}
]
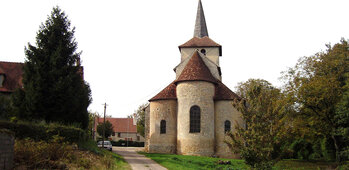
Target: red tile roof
[
  {"x": 168, "y": 93},
  {"x": 13, "y": 76},
  {"x": 119, "y": 124},
  {"x": 224, "y": 93},
  {"x": 196, "y": 70},
  {"x": 201, "y": 42}
]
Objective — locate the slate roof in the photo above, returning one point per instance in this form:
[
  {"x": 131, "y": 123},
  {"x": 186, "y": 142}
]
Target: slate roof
[
  {"x": 119, "y": 124},
  {"x": 200, "y": 29},
  {"x": 13, "y": 76},
  {"x": 168, "y": 93},
  {"x": 196, "y": 70}
]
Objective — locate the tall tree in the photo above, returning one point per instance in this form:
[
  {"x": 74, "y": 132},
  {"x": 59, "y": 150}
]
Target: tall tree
[
  {"x": 108, "y": 129},
  {"x": 317, "y": 84},
  {"x": 54, "y": 89},
  {"x": 263, "y": 109},
  {"x": 140, "y": 118}
]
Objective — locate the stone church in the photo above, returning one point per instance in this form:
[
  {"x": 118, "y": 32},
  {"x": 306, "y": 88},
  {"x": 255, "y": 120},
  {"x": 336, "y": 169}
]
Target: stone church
[{"x": 192, "y": 114}]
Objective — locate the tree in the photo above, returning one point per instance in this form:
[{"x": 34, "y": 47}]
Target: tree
[
  {"x": 317, "y": 84},
  {"x": 263, "y": 109},
  {"x": 140, "y": 117},
  {"x": 54, "y": 89},
  {"x": 108, "y": 129}
]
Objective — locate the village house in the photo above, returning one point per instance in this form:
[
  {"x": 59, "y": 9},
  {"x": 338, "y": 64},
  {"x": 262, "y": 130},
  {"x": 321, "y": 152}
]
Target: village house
[
  {"x": 123, "y": 129},
  {"x": 10, "y": 77}
]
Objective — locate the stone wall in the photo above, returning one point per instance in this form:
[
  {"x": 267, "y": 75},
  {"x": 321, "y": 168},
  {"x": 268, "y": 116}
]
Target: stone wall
[
  {"x": 6, "y": 150},
  {"x": 198, "y": 93},
  {"x": 146, "y": 127},
  {"x": 224, "y": 110},
  {"x": 211, "y": 52},
  {"x": 166, "y": 142}
]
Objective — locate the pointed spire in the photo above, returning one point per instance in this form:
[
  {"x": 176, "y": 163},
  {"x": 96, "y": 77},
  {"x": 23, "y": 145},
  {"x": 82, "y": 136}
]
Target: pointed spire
[{"x": 200, "y": 23}]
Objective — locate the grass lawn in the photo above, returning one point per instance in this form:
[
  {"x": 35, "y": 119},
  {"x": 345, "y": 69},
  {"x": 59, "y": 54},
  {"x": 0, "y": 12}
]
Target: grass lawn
[
  {"x": 184, "y": 162},
  {"x": 171, "y": 161}
]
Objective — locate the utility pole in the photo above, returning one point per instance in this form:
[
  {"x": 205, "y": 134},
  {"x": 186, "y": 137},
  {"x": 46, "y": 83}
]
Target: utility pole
[{"x": 105, "y": 108}]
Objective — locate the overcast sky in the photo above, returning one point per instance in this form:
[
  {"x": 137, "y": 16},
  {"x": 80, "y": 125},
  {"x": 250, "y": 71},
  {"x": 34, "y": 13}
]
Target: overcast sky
[{"x": 130, "y": 47}]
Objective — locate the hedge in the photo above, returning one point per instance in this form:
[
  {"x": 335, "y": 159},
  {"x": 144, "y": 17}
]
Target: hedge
[
  {"x": 130, "y": 143},
  {"x": 44, "y": 132}
]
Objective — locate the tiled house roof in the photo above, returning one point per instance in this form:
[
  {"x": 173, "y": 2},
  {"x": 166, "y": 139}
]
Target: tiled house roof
[
  {"x": 168, "y": 93},
  {"x": 201, "y": 42},
  {"x": 119, "y": 124},
  {"x": 196, "y": 70},
  {"x": 224, "y": 93},
  {"x": 13, "y": 76}
]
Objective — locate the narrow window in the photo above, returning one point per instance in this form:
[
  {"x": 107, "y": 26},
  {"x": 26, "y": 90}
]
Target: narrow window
[
  {"x": 2, "y": 78},
  {"x": 227, "y": 126},
  {"x": 113, "y": 134},
  {"x": 119, "y": 134},
  {"x": 194, "y": 119},
  {"x": 162, "y": 127}
]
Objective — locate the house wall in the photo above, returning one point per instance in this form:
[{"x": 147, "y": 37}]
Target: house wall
[
  {"x": 124, "y": 135},
  {"x": 224, "y": 110},
  {"x": 198, "y": 93},
  {"x": 163, "y": 110}
]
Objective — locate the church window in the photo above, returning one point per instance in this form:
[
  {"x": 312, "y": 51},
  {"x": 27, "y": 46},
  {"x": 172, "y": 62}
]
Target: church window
[
  {"x": 194, "y": 119},
  {"x": 203, "y": 51},
  {"x": 162, "y": 127},
  {"x": 227, "y": 126}
]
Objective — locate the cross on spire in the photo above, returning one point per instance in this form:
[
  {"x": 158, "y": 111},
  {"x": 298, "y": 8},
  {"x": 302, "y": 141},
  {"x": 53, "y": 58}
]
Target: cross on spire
[{"x": 200, "y": 23}]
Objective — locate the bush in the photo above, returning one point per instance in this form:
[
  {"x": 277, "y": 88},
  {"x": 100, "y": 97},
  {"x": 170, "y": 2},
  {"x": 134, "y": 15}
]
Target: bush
[
  {"x": 41, "y": 154},
  {"x": 40, "y": 131}
]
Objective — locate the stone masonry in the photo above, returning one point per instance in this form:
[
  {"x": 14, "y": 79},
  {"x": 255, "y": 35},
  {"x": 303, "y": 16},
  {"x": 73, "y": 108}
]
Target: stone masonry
[{"x": 6, "y": 150}]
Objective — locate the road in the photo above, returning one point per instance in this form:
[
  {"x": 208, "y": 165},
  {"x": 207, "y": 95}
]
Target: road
[{"x": 137, "y": 161}]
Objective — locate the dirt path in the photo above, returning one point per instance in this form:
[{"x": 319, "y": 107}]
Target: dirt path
[{"x": 137, "y": 161}]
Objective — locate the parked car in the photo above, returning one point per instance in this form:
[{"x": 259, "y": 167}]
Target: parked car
[{"x": 107, "y": 145}]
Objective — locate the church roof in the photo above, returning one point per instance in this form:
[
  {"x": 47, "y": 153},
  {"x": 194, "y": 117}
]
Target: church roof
[
  {"x": 13, "y": 76},
  {"x": 200, "y": 23},
  {"x": 196, "y": 70},
  {"x": 168, "y": 93},
  {"x": 201, "y": 42},
  {"x": 224, "y": 93}
]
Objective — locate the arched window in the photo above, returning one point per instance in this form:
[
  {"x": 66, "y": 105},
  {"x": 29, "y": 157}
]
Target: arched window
[
  {"x": 227, "y": 126},
  {"x": 194, "y": 119},
  {"x": 162, "y": 127}
]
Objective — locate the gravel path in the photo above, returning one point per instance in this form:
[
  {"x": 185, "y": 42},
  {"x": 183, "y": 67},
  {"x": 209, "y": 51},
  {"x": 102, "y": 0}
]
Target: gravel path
[{"x": 137, "y": 161}]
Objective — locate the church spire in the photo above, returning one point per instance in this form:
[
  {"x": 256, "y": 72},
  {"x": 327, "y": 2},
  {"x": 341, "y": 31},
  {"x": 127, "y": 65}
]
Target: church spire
[{"x": 200, "y": 23}]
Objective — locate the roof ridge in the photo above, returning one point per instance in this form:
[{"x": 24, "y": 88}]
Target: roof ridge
[{"x": 196, "y": 70}]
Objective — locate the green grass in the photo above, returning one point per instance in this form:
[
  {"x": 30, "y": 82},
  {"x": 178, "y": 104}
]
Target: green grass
[
  {"x": 118, "y": 161},
  {"x": 184, "y": 162}
]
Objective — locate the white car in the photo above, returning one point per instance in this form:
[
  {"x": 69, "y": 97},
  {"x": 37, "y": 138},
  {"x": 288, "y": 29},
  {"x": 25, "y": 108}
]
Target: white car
[{"x": 107, "y": 145}]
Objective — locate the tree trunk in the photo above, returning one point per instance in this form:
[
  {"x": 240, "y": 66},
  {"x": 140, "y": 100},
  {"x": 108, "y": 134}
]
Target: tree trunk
[{"x": 336, "y": 147}]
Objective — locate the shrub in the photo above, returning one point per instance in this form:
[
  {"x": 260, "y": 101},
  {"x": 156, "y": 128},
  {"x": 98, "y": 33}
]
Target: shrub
[
  {"x": 40, "y": 131},
  {"x": 41, "y": 154}
]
